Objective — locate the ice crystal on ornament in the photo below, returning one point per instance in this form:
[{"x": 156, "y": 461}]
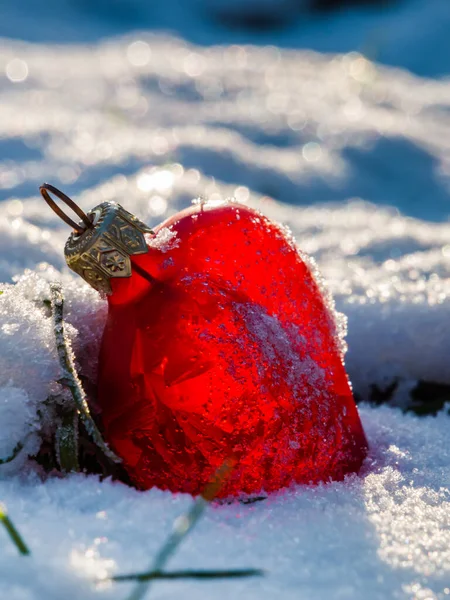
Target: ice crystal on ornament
[
  {"x": 164, "y": 240},
  {"x": 337, "y": 319}
]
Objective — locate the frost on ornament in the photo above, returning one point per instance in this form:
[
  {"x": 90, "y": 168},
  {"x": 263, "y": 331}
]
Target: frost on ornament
[{"x": 164, "y": 240}]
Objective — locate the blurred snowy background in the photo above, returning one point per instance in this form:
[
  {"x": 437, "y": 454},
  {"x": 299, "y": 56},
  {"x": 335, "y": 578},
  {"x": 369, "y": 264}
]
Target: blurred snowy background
[{"x": 331, "y": 117}]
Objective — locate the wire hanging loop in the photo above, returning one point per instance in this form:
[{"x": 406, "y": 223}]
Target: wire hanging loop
[{"x": 45, "y": 188}]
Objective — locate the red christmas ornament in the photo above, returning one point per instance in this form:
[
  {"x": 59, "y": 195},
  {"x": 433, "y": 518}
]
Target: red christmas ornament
[{"x": 218, "y": 345}]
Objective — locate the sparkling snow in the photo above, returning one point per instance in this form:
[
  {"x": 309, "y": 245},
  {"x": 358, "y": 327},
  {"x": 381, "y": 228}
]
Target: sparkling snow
[{"x": 351, "y": 155}]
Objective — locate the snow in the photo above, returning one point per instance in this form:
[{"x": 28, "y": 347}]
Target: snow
[
  {"x": 383, "y": 535},
  {"x": 164, "y": 240},
  {"x": 352, "y": 156}
]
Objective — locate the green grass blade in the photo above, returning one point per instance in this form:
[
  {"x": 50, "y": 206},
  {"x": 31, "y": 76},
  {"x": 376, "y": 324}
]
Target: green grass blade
[
  {"x": 13, "y": 533},
  {"x": 66, "y": 442},
  {"x": 183, "y": 526},
  {"x": 189, "y": 574},
  {"x": 13, "y": 454}
]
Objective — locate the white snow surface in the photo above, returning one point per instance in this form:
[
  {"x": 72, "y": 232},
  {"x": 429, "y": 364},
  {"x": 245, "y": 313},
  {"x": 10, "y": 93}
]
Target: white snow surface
[
  {"x": 351, "y": 155},
  {"x": 384, "y": 534}
]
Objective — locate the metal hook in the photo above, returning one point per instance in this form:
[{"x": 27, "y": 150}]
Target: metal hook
[{"x": 45, "y": 188}]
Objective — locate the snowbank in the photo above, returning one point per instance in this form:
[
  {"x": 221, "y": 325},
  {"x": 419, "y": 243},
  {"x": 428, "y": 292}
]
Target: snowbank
[{"x": 382, "y": 535}]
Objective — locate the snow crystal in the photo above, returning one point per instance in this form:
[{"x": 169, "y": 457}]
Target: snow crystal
[
  {"x": 164, "y": 240},
  {"x": 19, "y": 424},
  {"x": 29, "y": 366}
]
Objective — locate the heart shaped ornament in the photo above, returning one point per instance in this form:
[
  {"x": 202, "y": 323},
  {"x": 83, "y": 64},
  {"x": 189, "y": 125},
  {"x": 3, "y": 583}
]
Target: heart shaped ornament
[{"x": 219, "y": 345}]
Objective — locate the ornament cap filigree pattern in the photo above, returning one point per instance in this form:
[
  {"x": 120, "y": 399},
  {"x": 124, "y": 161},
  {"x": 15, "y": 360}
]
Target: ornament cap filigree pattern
[{"x": 103, "y": 251}]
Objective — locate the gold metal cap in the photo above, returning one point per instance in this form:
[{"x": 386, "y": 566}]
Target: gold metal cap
[{"x": 100, "y": 247}]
